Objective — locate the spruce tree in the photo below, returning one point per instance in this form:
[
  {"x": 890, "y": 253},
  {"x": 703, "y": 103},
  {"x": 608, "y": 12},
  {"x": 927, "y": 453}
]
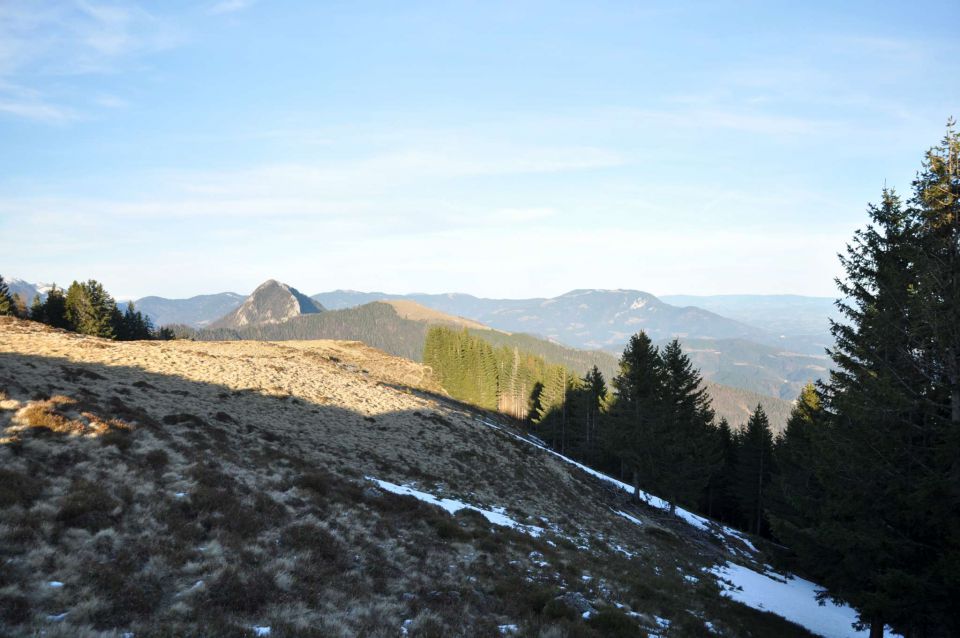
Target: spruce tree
[
  {"x": 91, "y": 310},
  {"x": 686, "y": 445},
  {"x": 7, "y": 304},
  {"x": 637, "y": 413},
  {"x": 884, "y": 534},
  {"x": 754, "y": 469},
  {"x": 36, "y": 310},
  {"x": 55, "y": 308},
  {"x": 595, "y": 395},
  {"x": 719, "y": 500}
]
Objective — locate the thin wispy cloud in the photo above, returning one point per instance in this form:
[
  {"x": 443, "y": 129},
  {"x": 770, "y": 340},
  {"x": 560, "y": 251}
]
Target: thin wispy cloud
[
  {"x": 58, "y": 41},
  {"x": 230, "y": 6},
  {"x": 300, "y": 136}
]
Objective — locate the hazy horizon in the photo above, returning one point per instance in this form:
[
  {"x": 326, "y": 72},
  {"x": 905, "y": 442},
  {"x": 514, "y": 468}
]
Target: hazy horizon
[{"x": 502, "y": 150}]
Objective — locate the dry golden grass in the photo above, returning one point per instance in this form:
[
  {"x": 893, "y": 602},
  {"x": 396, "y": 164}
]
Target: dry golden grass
[
  {"x": 417, "y": 312},
  {"x": 181, "y": 488}
]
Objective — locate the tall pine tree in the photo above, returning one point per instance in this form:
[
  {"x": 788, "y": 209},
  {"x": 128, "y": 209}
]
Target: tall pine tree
[
  {"x": 7, "y": 304},
  {"x": 637, "y": 416},
  {"x": 687, "y": 453},
  {"x": 754, "y": 469}
]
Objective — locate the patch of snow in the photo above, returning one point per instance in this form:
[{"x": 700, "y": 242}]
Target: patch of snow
[
  {"x": 453, "y": 506},
  {"x": 261, "y": 631},
  {"x": 654, "y": 501},
  {"x": 56, "y": 584},
  {"x": 405, "y": 627},
  {"x": 794, "y": 599},
  {"x": 508, "y": 629},
  {"x": 632, "y": 519},
  {"x": 586, "y": 615},
  {"x": 638, "y": 304},
  {"x": 57, "y": 617},
  {"x": 180, "y": 495}
]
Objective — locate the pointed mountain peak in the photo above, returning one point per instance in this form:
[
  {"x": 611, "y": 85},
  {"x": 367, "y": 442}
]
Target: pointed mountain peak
[{"x": 271, "y": 302}]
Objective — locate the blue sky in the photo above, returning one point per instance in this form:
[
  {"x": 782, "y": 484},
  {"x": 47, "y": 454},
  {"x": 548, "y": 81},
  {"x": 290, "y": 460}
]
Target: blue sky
[{"x": 503, "y": 149}]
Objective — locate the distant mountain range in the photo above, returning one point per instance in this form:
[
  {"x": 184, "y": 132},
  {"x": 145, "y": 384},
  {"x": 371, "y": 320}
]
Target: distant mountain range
[
  {"x": 594, "y": 319},
  {"x": 754, "y": 366},
  {"x": 399, "y": 327},
  {"x": 26, "y": 291},
  {"x": 766, "y": 344},
  {"x": 197, "y": 312},
  {"x": 799, "y": 323},
  {"x": 767, "y": 359}
]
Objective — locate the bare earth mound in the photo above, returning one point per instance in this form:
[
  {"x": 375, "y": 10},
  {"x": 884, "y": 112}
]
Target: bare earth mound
[{"x": 312, "y": 489}]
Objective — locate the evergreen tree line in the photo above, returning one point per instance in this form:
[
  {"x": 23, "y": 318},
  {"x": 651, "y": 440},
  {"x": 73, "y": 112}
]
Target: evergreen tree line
[
  {"x": 84, "y": 307},
  {"x": 509, "y": 380},
  {"x": 654, "y": 428},
  {"x": 868, "y": 472}
]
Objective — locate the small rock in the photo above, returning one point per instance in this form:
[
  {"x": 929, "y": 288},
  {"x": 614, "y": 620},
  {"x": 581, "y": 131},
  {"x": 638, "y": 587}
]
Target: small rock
[{"x": 577, "y": 602}]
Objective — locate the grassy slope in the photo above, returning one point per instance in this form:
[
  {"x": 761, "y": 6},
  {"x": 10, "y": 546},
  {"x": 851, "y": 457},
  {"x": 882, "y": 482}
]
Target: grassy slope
[{"x": 184, "y": 485}]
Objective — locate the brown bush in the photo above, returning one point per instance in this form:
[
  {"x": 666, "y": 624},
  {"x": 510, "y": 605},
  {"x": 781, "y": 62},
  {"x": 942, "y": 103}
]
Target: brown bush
[
  {"x": 128, "y": 594},
  {"x": 14, "y": 608},
  {"x": 156, "y": 460},
  {"x": 241, "y": 592},
  {"x": 87, "y": 506},
  {"x": 313, "y": 538},
  {"x": 16, "y": 488}
]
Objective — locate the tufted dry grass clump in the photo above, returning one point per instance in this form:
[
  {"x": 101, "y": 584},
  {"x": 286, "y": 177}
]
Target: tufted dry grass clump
[{"x": 46, "y": 415}]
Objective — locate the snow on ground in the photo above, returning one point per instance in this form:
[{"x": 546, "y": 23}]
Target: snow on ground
[
  {"x": 795, "y": 599},
  {"x": 787, "y": 596},
  {"x": 699, "y": 522},
  {"x": 495, "y": 516}
]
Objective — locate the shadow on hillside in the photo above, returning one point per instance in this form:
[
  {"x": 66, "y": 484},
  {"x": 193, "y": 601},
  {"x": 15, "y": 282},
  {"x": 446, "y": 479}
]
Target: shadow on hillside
[{"x": 251, "y": 426}]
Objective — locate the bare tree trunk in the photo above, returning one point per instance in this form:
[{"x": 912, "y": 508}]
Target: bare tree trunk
[{"x": 876, "y": 629}]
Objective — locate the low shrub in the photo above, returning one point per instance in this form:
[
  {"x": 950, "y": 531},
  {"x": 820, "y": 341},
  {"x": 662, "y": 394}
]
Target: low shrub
[
  {"x": 87, "y": 506},
  {"x": 16, "y": 488}
]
